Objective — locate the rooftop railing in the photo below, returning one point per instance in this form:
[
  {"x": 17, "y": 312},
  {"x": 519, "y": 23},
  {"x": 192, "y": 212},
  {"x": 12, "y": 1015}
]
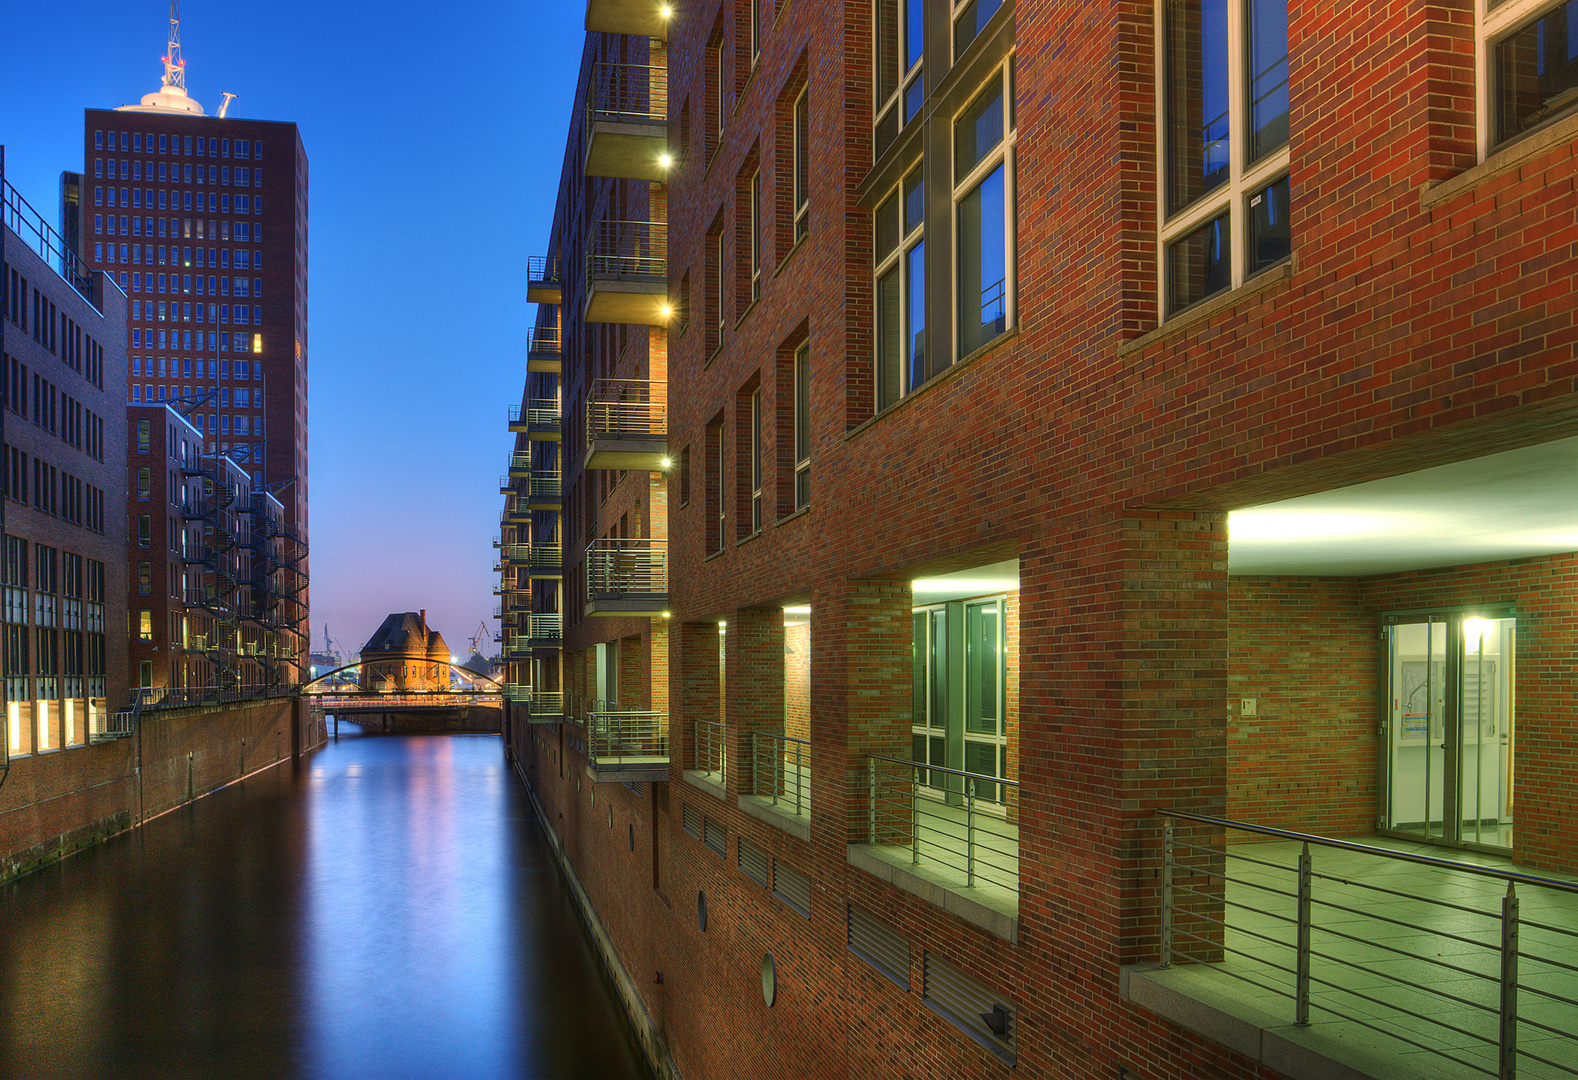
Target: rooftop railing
[
  {"x": 39, "y": 235},
  {"x": 1478, "y": 968}
]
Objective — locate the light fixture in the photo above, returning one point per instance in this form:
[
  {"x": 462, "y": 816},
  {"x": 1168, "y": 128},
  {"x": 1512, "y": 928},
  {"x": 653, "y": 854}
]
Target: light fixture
[
  {"x": 666, "y": 11},
  {"x": 665, "y": 160},
  {"x": 1475, "y": 630}
]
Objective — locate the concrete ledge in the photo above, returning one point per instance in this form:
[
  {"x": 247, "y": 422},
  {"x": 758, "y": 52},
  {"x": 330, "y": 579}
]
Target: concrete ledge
[
  {"x": 1236, "y": 1015},
  {"x": 711, "y": 787},
  {"x": 763, "y": 810},
  {"x": 953, "y": 901}
]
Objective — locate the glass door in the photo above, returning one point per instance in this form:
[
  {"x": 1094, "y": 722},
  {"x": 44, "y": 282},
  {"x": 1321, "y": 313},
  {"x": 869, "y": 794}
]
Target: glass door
[
  {"x": 1449, "y": 728},
  {"x": 929, "y": 731},
  {"x": 985, "y": 719}
]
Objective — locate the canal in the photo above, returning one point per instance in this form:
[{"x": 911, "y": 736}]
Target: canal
[{"x": 388, "y": 907}]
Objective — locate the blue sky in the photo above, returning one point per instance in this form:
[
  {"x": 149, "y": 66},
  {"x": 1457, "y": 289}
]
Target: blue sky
[{"x": 435, "y": 136}]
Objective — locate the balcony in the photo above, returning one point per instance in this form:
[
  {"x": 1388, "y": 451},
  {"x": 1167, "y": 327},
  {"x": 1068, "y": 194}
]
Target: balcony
[
  {"x": 643, "y": 18},
  {"x": 627, "y": 425},
  {"x": 516, "y": 511},
  {"x": 545, "y": 630},
  {"x": 627, "y": 273},
  {"x": 517, "y": 693},
  {"x": 539, "y": 419},
  {"x": 627, "y": 577},
  {"x": 544, "y": 283},
  {"x": 545, "y": 490},
  {"x": 542, "y": 561},
  {"x": 626, "y": 745},
  {"x": 545, "y": 707},
  {"x": 627, "y": 122},
  {"x": 544, "y": 348},
  {"x": 520, "y": 465}
]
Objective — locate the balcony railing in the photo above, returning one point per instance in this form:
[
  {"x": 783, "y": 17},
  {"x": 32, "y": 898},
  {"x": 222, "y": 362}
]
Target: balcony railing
[
  {"x": 520, "y": 464},
  {"x": 627, "y": 740},
  {"x": 628, "y": 92},
  {"x": 628, "y": 249},
  {"x": 545, "y": 489},
  {"x": 545, "y": 628},
  {"x": 544, "y": 283},
  {"x": 627, "y": 122},
  {"x": 1472, "y": 963},
  {"x": 546, "y": 707},
  {"x": 543, "y": 349},
  {"x": 781, "y": 771},
  {"x": 539, "y": 418},
  {"x": 963, "y": 824},
  {"x": 517, "y": 693},
  {"x": 626, "y": 576},
  {"x": 709, "y": 749},
  {"x": 626, "y": 409},
  {"x": 516, "y": 509}
]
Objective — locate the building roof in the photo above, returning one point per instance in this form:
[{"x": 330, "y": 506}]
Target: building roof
[{"x": 406, "y": 632}]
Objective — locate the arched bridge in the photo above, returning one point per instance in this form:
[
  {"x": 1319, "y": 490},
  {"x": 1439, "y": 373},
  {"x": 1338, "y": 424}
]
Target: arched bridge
[{"x": 472, "y": 702}]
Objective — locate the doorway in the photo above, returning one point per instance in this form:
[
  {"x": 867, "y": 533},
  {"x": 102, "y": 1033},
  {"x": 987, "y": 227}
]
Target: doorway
[
  {"x": 1449, "y": 727},
  {"x": 959, "y": 714}
]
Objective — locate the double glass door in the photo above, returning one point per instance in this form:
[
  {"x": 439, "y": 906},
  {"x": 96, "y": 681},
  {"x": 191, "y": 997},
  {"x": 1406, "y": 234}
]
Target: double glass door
[
  {"x": 1450, "y": 727},
  {"x": 960, "y": 674}
]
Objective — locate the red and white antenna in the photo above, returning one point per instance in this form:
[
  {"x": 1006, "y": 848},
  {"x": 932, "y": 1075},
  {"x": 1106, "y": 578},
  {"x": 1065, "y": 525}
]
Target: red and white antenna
[{"x": 174, "y": 63}]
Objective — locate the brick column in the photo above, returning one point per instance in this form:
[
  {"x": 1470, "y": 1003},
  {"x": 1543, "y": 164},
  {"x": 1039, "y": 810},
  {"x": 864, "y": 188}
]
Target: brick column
[
  {"x": 695, "y": 679},
  {"x": 754, "y": 674},
  {"x": 861, "y": 674}
]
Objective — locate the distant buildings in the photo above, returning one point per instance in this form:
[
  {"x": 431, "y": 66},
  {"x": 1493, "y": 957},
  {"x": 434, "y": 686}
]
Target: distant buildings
[
  {"x": 884, "y": 664},
  {"x": 202, "y": 221}
]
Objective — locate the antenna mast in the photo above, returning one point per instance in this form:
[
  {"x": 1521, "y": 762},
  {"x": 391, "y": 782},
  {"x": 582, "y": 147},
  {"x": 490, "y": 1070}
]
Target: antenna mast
[{"x": 174, "y": 62}]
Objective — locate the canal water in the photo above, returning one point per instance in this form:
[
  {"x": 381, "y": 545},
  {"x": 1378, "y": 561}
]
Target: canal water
[{"x": 387, "y": 908}]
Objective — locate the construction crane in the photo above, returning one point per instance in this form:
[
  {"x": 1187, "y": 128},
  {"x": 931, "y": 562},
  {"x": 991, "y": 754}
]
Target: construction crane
[{"x": 479, "y": 637}]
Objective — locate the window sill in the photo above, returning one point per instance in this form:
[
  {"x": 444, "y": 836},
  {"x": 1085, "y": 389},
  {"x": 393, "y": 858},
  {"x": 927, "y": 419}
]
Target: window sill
[
  {"x": 778, "y": 816},
  {"x": 714, "y": 555},
  {"x": 742, "y": 541},
  {"x": 784, "y": 261},
  {"x": 1202, "y": 311},
  {"x": 936, "y": 380},
  {"x": 704, "y": 781},
  {"x": 787, "y": 518},
  {"x": 1504, "y": 160},
  {"x": 746, "y": 314},
  {"x": 713, "y": 355}
]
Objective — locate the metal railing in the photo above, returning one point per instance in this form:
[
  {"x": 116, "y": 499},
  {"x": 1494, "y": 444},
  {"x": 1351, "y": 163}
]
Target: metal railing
[
  {"x": 615, "y": 735},
  {"x": 520, "y": 462},
  {"x": 709, "y": 748},
  {"x": 546, "y": 484},
  {"x": 628, "y": 92},
  {"x": 626, "y": 568},
  {"x": 34, "y": 230},
  {"x": 621, "y": 249},
  {"x": 518, "y": 693},
  {"x": 171, "y": 697},
  {"x": 537, "y": 413},
  {"x": 542, "y": 268},
  {"x": 547, "y": 703},
  {"x": 543, "y": 339},
  {"x": 515, "y": 507},
  {"x": 545, "y": 626},
  {"x": 1466, "y": 976},
  {"x": 964, "y": 821},
  {"x": 626, "y": 409},
  {"x": 781, "y": 770}
]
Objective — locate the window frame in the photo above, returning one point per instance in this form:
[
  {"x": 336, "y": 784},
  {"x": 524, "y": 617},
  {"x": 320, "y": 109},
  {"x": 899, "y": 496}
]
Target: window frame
[
  {"x": 800, "y": 114},
  {"x": 1492, "y": 25},
  {"x": 802, "y": 426},
  {"x": 899, "y": 260},
  {"x": 756, "y": 461},
  {"x": 1245, "y": 179},
  {"x": 1004, "y": 155},
  {"x": 755, "y": 238},
  {"x": 905, "y": 78}
]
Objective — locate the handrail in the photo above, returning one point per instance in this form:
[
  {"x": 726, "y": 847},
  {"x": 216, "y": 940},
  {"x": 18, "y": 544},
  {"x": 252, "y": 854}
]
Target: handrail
[
  {"x": 628, "y": 249},
  {"x": 626, "y": 408},
  {"x": 543, "y": 339},
  {"x": 709, "y": 744},
  {"x": 544, "y": 268},
  {"x": 628, "y": 91},
  {"x": 618, "y": 567},
  {"x": 956, "y": 827},
  {"x": 782, "y": 769},
  {"x": 910, "y": 763},
  {"x": 1368, "y": 849}
]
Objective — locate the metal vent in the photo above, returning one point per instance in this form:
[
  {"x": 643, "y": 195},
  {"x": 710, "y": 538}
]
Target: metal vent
[
  {"x": 792, "y": 887},
  {"x": 691, "y": 817},
  {"x": 716, "y": 838},
  {"x": 879, "y": 945},
  {"x": 753, "y": 862},
  {"x": 971, "y": 1007}
]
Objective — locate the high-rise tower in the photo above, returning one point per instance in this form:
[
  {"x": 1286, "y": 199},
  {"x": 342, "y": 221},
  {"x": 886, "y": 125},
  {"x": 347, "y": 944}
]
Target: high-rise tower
[{"x": 202, "y": 220}]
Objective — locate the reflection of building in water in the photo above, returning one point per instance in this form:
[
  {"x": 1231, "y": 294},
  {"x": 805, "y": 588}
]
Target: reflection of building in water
[{"x": 405, "y": 655}]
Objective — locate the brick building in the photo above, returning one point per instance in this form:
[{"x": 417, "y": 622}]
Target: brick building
[
  {"x": 202, "y": 220},
  {"x": 404, "y": 654},
  {"x": 1070, "y": 440},
  {"x": 60, "y": 431}
]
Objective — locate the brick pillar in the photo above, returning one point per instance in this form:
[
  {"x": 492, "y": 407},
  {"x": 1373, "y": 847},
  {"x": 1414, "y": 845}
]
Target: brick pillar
[
  {"x": 754, "y": 667},
  {"x": 861, "y": 674},
  {"x": 696, "y": 683}
]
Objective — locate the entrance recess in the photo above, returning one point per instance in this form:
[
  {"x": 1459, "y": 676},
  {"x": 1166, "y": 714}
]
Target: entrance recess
[
  {"x": 1449, "y": 727},
  {"x": 960, "y": 720}
]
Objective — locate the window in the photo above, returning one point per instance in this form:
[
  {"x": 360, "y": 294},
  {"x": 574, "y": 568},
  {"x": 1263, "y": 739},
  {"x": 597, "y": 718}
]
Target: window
[
  {"x": 714, "y": 287},
  {"x": 144, "y": 578},
  {"x": 756, "y": 460},
  {"x": 969, "y": 19},
  {"x": 756, "y": 27},
  {"x": 900, "y": 48},
  {"x": 984, "y": 201},
  {"x": 144, "y": 531},
  {"x": 144, "y": 482},
  {"x": 1224, "y": 191},
  {"x": 802, "y": 169},
  {"x": 145, "y": 631},
  {"x": 802, "y": 427},
  {"x": 143, "y": 436},
  {"x": 754, "y": 235},
  {"x": 714, "y": 482},
  {"x": 684, "y": 475},
  {"x": 1528, "y": 66},
  {"x": 901, "y": 290}
]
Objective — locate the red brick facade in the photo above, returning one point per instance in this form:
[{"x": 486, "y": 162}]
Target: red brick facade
[{"x": 1424, "y": 317}]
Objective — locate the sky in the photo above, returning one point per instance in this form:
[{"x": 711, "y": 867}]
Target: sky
[{"x": 435, "y": 136}]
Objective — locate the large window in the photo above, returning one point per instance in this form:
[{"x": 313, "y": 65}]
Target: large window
[
  {"x": 802, "y": 427},
  {"x": 1528, "y": 66},
  {"x": 900, "y": 48},
  {"x": 1224, "y": 191},
  {"x": 983, "y": 177},
  {"x": 802, "y": 166},
  {"x": 901, "y": 290}
]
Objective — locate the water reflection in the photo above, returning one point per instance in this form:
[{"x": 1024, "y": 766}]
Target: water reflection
[{"x": 388, "y": 910}]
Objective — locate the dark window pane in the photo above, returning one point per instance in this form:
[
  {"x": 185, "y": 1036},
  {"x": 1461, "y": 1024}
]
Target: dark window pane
[
  {"x": 1270, "y": 237},
  {"x": 914, "y": 98},
  {"x": 914, "y": 201},
  {"x": 887, "y": 49},
  {"x": 1536, "y": 71},
  {"x": 915, "y": 32},
  {"x": 1197, "y": 99},
  {"x": 1268, "y": 75},
  {"x": 983, "y": 264},
  {"x": 1197, "y": 265},
  {"x": 978, "y": 130},
  {"x": 971, "y": 21},
  {"x": 917, "y": 314}
]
